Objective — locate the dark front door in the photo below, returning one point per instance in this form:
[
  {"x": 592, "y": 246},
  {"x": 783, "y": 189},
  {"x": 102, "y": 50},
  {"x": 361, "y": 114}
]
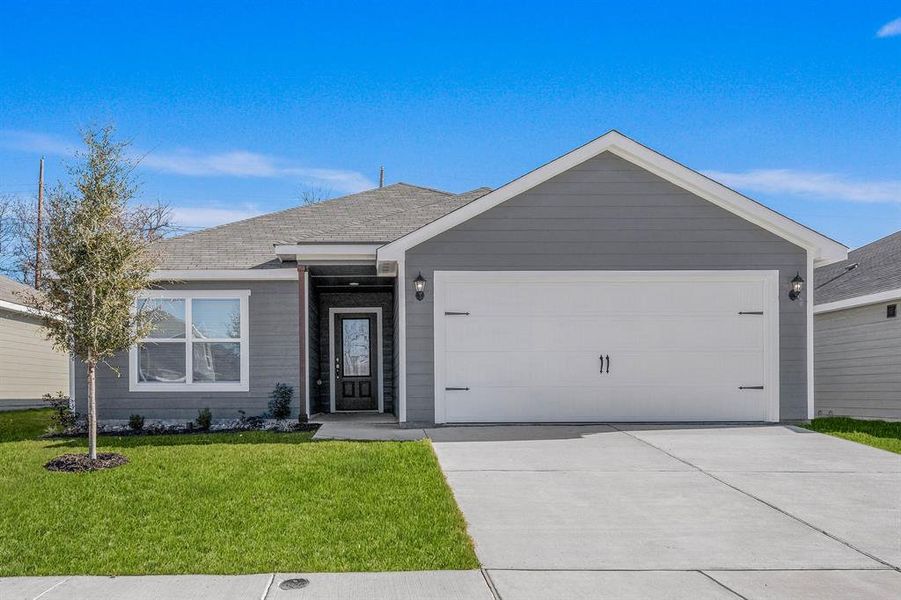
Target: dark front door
[{"x": 356, "y": 360}]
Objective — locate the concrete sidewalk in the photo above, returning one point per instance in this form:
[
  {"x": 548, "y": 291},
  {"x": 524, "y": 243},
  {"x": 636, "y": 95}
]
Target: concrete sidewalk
[{"x": 412, "y": 585}]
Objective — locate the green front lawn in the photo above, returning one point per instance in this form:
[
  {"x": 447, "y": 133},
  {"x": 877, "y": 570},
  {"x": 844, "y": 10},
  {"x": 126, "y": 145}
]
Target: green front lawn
[
  {"x": 225, "y": 503},
  {"x": 879, "y": 434}
]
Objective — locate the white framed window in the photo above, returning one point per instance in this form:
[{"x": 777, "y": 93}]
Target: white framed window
[{"x": 199, "y": 342}]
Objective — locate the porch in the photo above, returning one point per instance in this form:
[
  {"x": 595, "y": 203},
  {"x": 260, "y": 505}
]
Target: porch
[{"x": 348, "y": 335}]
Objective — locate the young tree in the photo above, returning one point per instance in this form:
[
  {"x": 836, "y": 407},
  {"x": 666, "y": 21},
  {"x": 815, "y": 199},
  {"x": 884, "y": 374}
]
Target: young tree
[{"x": 98, "y": 252}]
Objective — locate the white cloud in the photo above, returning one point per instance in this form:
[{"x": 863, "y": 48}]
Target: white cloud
[
  {"x": 190, "y": 163},
  {"x": 39, "y": 143},
  {"x": 890, "y": 29},
  {"x": 829, "y": 186},
  {"x": 193, "y": 217}
]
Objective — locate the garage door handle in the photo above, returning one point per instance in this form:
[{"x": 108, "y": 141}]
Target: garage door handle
[
  {"x": 750, "y": 387},
  {"x": 457, "y": 389},
  {"x": 602, "y": 363}
]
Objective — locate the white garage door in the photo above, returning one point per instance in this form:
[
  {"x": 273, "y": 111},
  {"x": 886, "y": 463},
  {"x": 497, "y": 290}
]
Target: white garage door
[{"x": 606, "y": 346}]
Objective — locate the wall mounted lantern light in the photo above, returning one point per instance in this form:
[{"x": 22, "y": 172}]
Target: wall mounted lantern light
[
  {"x": 797, "y": 287},
  {"x": 419, "y": 286}
]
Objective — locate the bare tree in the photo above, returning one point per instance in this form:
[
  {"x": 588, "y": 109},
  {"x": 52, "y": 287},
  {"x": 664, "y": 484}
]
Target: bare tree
[
  {"x": 7, "y": 235},
  {"x": 99, "y": 254},
  {"x": 313, "y": 194}
]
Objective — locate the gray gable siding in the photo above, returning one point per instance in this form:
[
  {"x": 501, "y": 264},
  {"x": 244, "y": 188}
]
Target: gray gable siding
[
  {"x": 605, "y": 214},
  {"x": 857, "y": 363},
  {"x": 274, "y": 357}
]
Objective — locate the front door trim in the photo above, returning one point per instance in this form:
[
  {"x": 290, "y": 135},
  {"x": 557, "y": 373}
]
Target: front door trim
[{"x": 377, "y": 311}]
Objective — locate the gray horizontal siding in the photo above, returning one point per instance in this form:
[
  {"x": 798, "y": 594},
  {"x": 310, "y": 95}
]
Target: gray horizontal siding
[
  {"x": 605, "y": 214},
  {"x": 274, "y": 357},
  {"x": 29, "y": 366},
  {"x": 857, "y": 363}
]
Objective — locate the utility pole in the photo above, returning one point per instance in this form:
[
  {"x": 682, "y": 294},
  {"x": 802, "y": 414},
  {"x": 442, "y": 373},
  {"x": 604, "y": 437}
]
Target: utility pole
[
  {"x": 381, "y": 176},
  {"x": 40, "y": 225}
]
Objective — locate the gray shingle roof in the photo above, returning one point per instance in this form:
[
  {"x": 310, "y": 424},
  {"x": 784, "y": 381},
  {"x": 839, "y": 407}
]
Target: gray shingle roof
[
  {"x": 878, "y": 270},
  {"x": 10, "y": 290},
  {"x": 379, "y": 215}
]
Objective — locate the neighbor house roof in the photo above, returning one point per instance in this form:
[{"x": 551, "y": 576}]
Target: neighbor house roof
[
  {"x": 878, "y": 270},
  {"x": 379, "y": 215},
  {"x": 10, "y": 290}
]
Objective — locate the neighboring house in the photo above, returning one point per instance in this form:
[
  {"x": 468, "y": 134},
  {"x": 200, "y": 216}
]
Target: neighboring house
[
  {"x": 611, "y": 284},
  {"x": 29, "y": 366},
  {"x": 858, "y": 333}
]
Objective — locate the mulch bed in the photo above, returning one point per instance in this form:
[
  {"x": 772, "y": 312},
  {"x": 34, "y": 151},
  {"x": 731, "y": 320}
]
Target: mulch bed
[{"x": 80, "y": 463}]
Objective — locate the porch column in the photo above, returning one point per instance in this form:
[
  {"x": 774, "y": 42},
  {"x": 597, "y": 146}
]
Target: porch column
[{"x": 303, "y": 326}]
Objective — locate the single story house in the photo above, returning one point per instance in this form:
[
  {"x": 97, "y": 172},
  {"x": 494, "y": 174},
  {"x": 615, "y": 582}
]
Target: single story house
[
  {"x": 29, "y": 366},
  {"x": 610, "y": 284},
  {"x": 857, "y": 333}
]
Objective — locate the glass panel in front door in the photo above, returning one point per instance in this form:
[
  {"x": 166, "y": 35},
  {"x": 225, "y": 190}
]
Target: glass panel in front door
[{"x": 355, "y": 343}]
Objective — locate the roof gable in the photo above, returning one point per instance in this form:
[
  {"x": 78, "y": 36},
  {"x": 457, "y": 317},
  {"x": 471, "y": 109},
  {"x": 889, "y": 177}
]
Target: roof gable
[{"x": 823, "y": 249}]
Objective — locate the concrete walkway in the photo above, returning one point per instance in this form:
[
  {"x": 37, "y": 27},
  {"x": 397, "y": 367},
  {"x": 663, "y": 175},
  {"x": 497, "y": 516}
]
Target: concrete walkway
[
  {"x": 423, "y": 585},
  {"x": 363, "y": 427},
  {"x": 677, "y": 512}
]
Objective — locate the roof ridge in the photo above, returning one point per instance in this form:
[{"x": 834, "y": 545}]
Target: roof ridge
[
  {"x": 423, "y": 187},
  {"x": 874, "y": 242}
]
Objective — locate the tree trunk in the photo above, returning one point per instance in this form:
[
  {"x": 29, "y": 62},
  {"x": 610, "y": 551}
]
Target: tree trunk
[{"x": 92, "y": 409}]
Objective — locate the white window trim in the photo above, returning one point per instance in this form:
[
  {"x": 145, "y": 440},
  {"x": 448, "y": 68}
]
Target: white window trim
[
  {"x": 377, "y": 311},
  {"x": 242, "y": 386}
]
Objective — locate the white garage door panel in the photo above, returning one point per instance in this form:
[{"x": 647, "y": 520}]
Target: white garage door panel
[
  {"x": 664, "y": 403},
  {"x": 530, "y": 347},
  {"x": 602, "y": 332}
]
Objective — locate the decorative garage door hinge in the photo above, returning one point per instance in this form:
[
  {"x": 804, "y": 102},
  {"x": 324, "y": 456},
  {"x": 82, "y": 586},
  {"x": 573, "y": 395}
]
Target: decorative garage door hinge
[
  {"x": 457, "y": 389},
  {"x": 750, "y": 387},
  {"x": 450, "y": 312},
  {"x": 750, "y": 312}
]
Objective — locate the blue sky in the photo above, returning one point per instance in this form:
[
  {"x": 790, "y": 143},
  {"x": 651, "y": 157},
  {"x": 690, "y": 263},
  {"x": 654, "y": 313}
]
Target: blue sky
[{"x": 237, "y": 106}]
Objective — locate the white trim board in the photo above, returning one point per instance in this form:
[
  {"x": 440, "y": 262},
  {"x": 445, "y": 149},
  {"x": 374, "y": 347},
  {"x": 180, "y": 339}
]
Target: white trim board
[
  {"x": 875, "y": 298},
  {"x": 824, "y": 249},
  {"x": 771, "y": 366},
  {"x": 379, "y": 344},
  {"x": 327, "y": 253},
  {"x": 286, "y": 274},
  {"x": 20, "y": 308}
]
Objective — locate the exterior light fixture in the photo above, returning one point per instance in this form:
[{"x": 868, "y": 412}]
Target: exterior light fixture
[
  {"x": 797, "y": 287},
  {"x": 419, "y": 286}
]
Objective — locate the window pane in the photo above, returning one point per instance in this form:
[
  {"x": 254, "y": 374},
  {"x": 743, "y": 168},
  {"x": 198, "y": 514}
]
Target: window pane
[
  {"x": 216, "y": 318},
  {"x": 161, "y": 362},
  {"x": 217, "y": 362},
  {"x": 167, "y": 316},
  {"x": 356, "y": 347}
]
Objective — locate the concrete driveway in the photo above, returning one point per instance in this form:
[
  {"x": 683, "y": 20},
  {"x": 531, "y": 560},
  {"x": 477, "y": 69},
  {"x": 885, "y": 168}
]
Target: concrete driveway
[{"x": 677, "y": 511}]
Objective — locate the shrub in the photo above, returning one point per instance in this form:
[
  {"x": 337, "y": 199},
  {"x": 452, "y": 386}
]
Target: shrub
[
  {"x": 63, "y": 416},
  {"x": 136, "y": 423},
  {"x": 204, "y": 419},
  {"x": 280, "y": 401}
]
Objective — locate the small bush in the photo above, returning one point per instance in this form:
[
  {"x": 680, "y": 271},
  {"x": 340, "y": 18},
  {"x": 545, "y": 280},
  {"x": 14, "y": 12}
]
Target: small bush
[
  {"x": 136, "y": 423},
  {"x": 204, "y": 419},
  {"x": 63, "y": 416},
  {"x": 280, "y": 401}
]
